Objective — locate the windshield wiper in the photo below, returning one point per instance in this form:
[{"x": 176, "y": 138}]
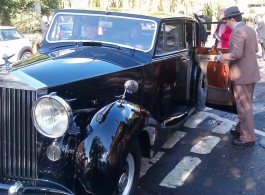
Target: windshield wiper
[
  {"x": 100, "y": 44},
  {"x": 92, "y": 43}
]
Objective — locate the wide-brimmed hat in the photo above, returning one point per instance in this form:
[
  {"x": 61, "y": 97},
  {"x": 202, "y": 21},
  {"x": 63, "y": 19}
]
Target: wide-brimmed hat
[{"x": 231, "y": 11}]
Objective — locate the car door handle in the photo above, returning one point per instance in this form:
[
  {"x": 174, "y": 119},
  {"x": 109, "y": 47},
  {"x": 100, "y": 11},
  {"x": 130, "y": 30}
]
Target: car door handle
[{"x": 185, "y": 59}]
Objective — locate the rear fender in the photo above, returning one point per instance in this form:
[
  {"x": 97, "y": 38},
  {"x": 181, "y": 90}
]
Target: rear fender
[{"x": 100, "y": 156}]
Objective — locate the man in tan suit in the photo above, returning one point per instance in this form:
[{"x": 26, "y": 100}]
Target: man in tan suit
[{"x": 244, "y": 73}]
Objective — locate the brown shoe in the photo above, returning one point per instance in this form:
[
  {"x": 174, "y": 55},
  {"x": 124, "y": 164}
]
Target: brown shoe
[
  {"x": 238, "y": 142},
  {"x": 234, "y": 132}
]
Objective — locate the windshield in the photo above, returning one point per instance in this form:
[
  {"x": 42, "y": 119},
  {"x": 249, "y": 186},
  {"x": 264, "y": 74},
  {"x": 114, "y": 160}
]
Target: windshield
[
  {"x": 10, "y": 34},
  {"x": 123, "y": 31}
]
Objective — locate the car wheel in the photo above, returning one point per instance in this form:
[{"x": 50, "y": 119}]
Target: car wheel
[
  {"x": 25, "y": 55},
  {"x": 128, "y": 180}
]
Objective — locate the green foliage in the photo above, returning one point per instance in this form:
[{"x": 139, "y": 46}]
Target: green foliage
[
  {"x": 115, "y": 4},
  {"x": 97, "y": 3},
  {"x": 160, "y": 6},
  {"x": 7, "y": 7},
  {"x": 133, "y": 2},
  {"x": 112, "y": 4},
  {"x": 18, "y": 13},
  {"x": 172, "y": 5},
  {"x": 48, "y": 6},
  {"x": 208, "y": 12},
  {"x": 217, "y": 12},
  {"x": 24, "y": 4},
  {"x": 26, "y": 21},
  {"x": 251, "y": 10},
  {"x": 120, "y": 2}
]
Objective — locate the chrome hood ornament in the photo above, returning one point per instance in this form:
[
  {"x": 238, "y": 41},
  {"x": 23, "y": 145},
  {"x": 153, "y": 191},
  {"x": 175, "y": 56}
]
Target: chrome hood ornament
[{"x": 7, "y": 67}]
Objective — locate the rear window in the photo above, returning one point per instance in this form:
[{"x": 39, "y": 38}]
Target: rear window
[{"x": 66, "y": 27}]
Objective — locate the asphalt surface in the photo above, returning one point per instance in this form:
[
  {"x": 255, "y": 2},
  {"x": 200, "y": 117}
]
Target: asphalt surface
[{"x": 222, "y": 169}]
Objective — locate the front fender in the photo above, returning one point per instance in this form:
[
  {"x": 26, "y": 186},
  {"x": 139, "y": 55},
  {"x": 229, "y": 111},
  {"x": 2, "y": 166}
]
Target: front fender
[{"x": 100, "y": 156}]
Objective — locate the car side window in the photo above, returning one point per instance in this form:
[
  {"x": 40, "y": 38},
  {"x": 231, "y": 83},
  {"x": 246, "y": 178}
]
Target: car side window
[
  {"x": 170, "y": 37},
  {"x": 11, "y": 34}
]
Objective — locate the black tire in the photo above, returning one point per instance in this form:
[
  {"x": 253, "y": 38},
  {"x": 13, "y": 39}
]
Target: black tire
[
  {"x": 131, "y": 171},
  {"x": 25, "y": 55}
]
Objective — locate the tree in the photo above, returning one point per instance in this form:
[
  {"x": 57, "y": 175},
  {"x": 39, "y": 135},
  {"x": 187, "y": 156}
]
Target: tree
[
  {"x": 20, "y": 13},
  {"x": 7, "y": 7},
  {"x": 48, "y": 6}
]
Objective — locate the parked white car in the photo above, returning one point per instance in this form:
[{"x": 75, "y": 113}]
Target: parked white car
[{"x": 13, "y": 42}]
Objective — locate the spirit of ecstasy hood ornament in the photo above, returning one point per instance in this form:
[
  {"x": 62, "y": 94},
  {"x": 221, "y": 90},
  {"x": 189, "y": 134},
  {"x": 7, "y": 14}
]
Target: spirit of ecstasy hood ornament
[{"x": 7, "y": 67}]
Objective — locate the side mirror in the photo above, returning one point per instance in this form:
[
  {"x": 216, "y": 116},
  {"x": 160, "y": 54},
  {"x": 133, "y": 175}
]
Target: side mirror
[{"x": 131, "y": 86}]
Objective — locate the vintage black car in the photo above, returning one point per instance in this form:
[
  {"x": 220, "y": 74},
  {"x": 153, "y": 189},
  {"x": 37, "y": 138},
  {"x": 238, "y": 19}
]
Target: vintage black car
[{"x": 77, "y": 117}]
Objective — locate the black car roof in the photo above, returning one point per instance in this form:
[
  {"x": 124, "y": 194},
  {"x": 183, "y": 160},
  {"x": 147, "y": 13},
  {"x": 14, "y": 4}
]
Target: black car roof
[{"x": 158, "y": 17}]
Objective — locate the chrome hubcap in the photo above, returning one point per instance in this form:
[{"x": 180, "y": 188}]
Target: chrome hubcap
[
  {"x": 126, "y": 179},
  {"x": 122, "y": 182}
]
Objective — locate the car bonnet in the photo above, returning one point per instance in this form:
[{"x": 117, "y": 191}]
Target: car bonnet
[{"x": 53, "y": 70}]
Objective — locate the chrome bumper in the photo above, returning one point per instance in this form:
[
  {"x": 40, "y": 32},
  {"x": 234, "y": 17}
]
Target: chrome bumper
[
  {"x": 12, "y": 189},
  {"x": 18, "y": 188}
]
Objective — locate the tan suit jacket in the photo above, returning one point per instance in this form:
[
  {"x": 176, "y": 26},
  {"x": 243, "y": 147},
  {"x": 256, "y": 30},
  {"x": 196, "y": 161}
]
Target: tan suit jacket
[
  {"x": 242, "y": 58},
  {"x": 244, "y": 72}
]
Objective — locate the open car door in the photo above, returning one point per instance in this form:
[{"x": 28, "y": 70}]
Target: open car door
[{"x": 219, "y": 92}]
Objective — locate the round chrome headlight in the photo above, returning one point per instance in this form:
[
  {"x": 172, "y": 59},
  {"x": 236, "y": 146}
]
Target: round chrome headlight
[{"x": 52, "y": 115}]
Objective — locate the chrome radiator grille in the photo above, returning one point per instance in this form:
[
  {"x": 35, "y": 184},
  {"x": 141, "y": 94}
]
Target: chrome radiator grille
[{"x": 18, "y": 148}]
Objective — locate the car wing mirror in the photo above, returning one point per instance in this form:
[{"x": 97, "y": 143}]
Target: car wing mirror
[{"x": 131, "y": 86}]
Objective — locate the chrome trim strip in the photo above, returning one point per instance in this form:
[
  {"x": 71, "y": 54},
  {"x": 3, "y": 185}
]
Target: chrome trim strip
[
  {"x": 49, "y": 190},
  {"x": 169, "y": 55},
  {"x": 18, "y": 184},
  {"x": 189, "y": 70}
]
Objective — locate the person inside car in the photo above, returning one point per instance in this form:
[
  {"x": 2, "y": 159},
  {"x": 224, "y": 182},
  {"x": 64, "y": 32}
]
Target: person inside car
[
  {"x": 135, "y": 37},
  {"x": 91, "y": 29}
]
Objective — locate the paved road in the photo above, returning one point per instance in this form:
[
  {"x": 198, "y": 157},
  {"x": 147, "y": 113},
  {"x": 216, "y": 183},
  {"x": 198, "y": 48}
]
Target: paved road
[{"x": 200, "y": 159}]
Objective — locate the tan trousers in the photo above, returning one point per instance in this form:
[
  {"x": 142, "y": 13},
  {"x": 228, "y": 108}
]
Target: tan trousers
[{"x": 245, "y": 126}]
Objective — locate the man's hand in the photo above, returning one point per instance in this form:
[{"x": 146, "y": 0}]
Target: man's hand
[
  {"x": 215, "y": 35},
  {"x": 217, "y": 58}
]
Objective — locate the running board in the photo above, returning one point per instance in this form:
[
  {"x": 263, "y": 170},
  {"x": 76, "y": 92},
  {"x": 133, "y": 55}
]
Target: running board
[{"x": 176, "y": 119}]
